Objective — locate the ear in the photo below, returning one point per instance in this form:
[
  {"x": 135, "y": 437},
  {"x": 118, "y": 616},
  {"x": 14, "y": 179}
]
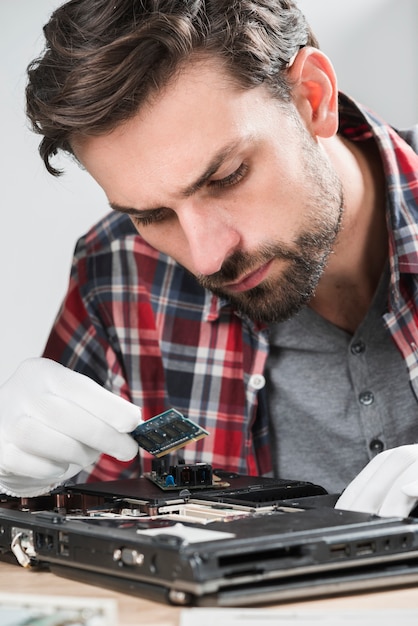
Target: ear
[{"x": 315, "y": 91}]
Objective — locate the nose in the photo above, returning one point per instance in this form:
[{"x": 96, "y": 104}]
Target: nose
[{"x": 210, "y": 236}]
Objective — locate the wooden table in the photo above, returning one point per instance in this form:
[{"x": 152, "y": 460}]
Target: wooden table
[{"x": 133, "y": 610}]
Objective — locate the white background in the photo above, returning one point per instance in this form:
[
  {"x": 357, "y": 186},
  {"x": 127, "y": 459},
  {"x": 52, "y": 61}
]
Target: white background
[{"x": 373, "y": 45}]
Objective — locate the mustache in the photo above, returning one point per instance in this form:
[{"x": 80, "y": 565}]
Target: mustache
[{"x": 241, "y": 263}]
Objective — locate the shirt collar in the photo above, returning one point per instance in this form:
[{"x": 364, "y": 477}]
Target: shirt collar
[{"x": 400, "y": 163}]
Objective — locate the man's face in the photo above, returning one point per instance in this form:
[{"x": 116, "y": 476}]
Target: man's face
[{"x": 229, "y": 183}]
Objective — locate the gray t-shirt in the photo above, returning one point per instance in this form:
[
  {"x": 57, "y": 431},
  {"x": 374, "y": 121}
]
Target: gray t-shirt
[{"x": 336, "y": 400}]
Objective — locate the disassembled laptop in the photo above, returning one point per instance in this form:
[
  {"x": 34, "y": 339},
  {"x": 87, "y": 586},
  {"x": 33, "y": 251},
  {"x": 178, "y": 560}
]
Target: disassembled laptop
[{"x": 192, "y": 535}]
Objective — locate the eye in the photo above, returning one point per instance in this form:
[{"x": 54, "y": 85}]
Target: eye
[
  {"x": 231, "y": 179},
  {"x": 145, "y": 218}
]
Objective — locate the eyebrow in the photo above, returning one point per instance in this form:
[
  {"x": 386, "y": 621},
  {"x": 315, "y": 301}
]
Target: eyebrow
[
  {"x": 213, "y": 166},
  {"x": 211, "y": 169}
]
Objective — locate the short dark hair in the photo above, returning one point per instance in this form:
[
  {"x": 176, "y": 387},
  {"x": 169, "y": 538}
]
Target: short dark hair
[{"x": 104, "y": 58}]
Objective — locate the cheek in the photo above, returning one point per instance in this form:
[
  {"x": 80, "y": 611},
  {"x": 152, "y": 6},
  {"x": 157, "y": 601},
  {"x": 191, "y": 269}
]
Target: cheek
[{"x": 273, "y": 209}]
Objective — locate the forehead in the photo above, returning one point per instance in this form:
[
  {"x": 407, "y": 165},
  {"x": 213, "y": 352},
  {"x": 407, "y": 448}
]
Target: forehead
[{"x": 174, "y": 134}]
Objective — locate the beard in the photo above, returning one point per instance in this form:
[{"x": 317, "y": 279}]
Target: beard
[{"x": 281, "y": 296}]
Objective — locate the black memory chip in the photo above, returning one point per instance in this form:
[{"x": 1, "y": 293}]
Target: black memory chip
[{"x": 167, "y": 432}]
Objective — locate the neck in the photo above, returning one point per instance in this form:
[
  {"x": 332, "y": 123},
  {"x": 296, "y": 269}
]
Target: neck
[{"x": 349, "y": 282}]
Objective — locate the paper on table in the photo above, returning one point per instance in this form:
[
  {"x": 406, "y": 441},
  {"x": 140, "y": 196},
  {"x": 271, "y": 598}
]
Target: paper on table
[
  {"x": 22, "y": 609},
  {"x": 278, "y": 617}
]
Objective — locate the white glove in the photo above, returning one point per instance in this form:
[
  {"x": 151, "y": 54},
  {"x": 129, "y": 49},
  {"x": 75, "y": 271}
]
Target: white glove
[
  {"x": 387, "y": 486},
  {"x": 54, "y": 422}
]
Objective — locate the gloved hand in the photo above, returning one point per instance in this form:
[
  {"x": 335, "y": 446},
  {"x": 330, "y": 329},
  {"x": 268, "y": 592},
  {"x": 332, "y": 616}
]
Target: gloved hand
[
  {"x": 387, "y": 486},
  {"x": 54, "y": 422}
]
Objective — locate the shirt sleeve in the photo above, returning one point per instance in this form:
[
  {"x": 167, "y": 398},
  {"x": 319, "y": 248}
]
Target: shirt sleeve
[{"x": 80, "y": 337}]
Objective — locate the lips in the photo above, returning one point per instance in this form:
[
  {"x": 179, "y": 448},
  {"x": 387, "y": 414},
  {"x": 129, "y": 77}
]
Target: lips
[{"x": 249, "y": 281}]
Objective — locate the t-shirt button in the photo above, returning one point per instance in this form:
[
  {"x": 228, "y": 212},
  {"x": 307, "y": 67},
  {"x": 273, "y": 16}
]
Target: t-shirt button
[
  {"x": 376, "y": 445},
  {"x": 358, "y": 347},
  {"x": 257, "y": 381},
  {"x": 366, "y": 398}
]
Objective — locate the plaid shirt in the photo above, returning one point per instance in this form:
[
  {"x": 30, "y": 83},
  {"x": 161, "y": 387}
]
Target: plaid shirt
[{"x": 137, "y": 323}]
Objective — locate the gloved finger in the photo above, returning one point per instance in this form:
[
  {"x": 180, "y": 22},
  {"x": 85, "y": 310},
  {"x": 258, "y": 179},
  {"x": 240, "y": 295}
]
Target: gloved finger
[
  {"x": 79, "y": 389},
  {"x": 368, "y": 490},
  {"x": 58, "y": 414},
  {"x": 36, "y": 439},
  {"x": 71, "y": 471},
  {"x": 356, "y": 496},
  {"x": 19, "y": 463},
  {"x": 396, "y": 503}
]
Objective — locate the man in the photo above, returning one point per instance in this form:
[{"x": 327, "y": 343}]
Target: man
[{"x": 258, "y": 271}]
